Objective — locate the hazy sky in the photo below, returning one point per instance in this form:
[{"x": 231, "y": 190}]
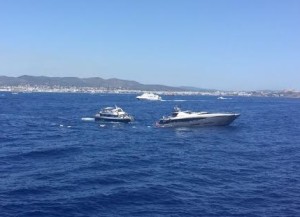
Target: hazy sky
[{"x": 222, "y": 44}]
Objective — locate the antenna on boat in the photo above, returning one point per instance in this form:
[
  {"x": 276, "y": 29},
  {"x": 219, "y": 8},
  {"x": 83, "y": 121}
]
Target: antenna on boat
[{"x": 176, "y": 108}]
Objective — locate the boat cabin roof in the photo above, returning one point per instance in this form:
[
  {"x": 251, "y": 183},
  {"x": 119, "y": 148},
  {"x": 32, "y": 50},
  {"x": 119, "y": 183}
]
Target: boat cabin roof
[{"x": 112, "y": 109}]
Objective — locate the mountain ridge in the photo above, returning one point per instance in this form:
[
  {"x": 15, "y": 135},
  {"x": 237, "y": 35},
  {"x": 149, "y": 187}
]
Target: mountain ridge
[{"x": 96, "y": 82}]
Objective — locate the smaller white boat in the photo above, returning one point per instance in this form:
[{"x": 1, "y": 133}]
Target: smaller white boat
[
  {"x": 221, "y": 97},
  {"x": 149, "y": 96},
  {"x": 113, "y": 114},
  {"x": 188, "y": 119}
]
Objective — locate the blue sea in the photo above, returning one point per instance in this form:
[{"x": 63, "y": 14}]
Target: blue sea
[{"x": 55, "y": 161}]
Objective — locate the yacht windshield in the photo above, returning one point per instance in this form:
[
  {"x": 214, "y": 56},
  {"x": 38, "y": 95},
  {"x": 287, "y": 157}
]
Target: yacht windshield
[{"x": 174, "y": 114}]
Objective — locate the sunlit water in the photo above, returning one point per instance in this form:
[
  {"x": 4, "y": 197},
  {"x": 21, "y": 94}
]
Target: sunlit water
[{"x": 56, "y": 161}]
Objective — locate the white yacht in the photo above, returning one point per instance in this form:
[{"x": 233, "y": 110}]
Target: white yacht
[
  {"x": 188, "y": 119},
  {"x": 114, "y": 114},
  {"x": 148, "y": 96},
  {"x": 221, "y": 97}
]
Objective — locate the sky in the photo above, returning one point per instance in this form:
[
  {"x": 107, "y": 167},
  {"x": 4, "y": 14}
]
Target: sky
[{"x": 218, "y": 44}]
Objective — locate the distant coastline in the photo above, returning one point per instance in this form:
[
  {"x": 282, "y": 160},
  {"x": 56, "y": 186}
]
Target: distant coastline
[
  {"x": 91, "y": 90},
  {"x": 42, "y": 84}
]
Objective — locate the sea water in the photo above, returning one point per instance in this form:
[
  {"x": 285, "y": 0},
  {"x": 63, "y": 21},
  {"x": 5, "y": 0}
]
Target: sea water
[{"x": 56, "y": 161}]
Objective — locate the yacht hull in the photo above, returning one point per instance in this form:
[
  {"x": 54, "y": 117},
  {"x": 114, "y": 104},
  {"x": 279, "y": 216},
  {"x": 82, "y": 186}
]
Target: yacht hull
[
  {"x": 112, "y": 119},
  {"x": 146, "y": 99},
  {"x": 220, "y": 120}
]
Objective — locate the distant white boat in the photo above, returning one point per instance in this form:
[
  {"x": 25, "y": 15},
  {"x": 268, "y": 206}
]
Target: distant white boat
[
  {"x": 221, "y": 97},
  {"x": 149, "y": 96}
]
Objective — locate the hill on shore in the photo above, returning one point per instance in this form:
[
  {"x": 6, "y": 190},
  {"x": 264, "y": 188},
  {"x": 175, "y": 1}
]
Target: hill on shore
[{"x": 95, "y": 82}]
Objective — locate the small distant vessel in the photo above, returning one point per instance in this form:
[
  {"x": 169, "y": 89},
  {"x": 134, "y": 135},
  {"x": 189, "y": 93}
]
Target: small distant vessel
[
  {"x": 221, "y": 97},
  {"x": 188, "y": 119},
  {"x": 149, "y": 96},
  {"x": 113, "y": 114}
]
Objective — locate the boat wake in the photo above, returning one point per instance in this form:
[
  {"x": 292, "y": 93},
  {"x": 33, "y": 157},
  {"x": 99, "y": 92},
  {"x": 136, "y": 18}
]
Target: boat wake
[
  {"x": 174, "y": 100},
  {"x": 87, "y": 119}
]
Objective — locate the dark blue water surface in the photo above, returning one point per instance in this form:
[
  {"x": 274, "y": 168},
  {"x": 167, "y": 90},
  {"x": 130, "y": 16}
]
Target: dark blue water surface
[{"x": 52, "y": 163}]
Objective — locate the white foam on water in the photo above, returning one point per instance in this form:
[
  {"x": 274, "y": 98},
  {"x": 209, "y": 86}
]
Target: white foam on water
[
  {"x": 175, "y": 100},
  {"x": 61, "y": 125},
  {"x": 87, "y": 119},
  {"x": 102, "y": 125}
]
